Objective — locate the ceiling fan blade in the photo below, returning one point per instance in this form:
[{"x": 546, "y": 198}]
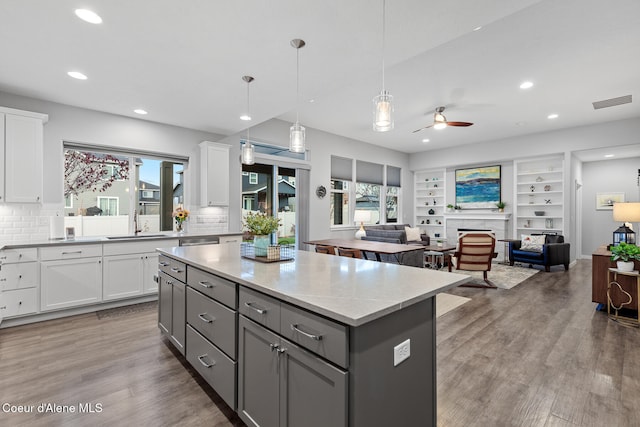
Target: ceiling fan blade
[
  {"x": 426, "y": 127},
  {"x": 461, "y": 124}
]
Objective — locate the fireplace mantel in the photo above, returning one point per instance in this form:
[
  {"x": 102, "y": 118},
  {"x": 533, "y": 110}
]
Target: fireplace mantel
[{"x": 498, "y": 216}]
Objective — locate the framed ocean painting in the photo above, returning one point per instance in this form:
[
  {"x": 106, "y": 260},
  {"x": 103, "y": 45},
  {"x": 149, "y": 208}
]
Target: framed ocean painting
[{"x": 478, "y": 188}]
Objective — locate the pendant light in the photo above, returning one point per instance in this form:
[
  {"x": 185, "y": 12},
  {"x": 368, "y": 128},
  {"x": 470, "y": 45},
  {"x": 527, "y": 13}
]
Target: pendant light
[
  {"x": 248, "y": 150},
  {"x": 297, "y": 132},
  {"x": 383, "y": 103}
]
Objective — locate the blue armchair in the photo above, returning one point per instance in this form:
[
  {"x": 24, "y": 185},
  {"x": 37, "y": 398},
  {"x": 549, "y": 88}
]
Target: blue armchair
[{"x": 554, "y": 252}]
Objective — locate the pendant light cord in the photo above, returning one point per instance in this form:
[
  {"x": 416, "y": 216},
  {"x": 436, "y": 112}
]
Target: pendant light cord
[
  {"x": 297, "y": 85},
  {"x": 248, "y": 113},
  {"x": 383, "y": 38}
]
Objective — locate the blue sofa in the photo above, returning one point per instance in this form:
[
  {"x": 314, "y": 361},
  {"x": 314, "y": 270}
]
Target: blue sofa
[{"x": 554, "y": 252}]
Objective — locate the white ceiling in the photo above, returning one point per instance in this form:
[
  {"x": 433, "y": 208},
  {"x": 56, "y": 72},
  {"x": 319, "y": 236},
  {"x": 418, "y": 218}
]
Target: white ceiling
[{"x": 184, "y": 61}]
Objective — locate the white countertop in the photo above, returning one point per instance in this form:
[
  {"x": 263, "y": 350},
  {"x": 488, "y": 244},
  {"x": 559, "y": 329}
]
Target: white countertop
[
  {"x": 104, "y": 239},
  {"x": 351, "y": 291}
]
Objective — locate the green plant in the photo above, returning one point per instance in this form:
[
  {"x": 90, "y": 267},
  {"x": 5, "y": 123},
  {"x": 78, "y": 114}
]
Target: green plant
[
  {"x": 449, "y": 206},
  {"x": 625, "y": 252},
  {"x": 501, "y": 205},
  {"x": 261, "y": 224}
]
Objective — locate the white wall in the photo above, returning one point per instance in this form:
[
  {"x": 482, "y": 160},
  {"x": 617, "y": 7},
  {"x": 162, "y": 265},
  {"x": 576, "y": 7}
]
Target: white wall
[
  {"x": 321, "y": 146},
  {"x": 67, "y": 123},
  {"x": 603, "y": 177}
]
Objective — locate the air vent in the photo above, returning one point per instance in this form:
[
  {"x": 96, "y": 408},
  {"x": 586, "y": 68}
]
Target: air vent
[{"x": 612, "y": 102}]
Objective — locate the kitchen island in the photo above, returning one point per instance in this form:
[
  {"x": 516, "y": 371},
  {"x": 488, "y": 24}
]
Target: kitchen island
[{"x": 317, "y": 340}]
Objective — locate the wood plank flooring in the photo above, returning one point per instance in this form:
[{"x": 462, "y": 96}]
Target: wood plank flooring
[{"x": 534, "y": 355}]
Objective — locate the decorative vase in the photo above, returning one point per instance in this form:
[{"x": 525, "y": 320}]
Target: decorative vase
[
  {"x": 261, "y": 244},
  {"x": 625, "y": 265}
]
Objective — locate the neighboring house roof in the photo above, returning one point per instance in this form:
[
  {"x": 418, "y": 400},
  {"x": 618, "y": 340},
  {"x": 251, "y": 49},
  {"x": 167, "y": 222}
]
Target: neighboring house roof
[
  {"x": 284, "y": 188},
  {"x": 147, "y": 186}
]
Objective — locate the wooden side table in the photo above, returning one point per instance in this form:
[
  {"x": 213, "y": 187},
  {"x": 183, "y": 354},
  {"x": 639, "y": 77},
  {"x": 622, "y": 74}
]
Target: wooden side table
[{"x": 628, "y": 321}]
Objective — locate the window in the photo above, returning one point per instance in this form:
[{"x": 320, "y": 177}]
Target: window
[
  {"x": 339, "y": 204},
  {"x": 372, "y": 190},
  {"x": 253, "y": 178},
  {"x": 110, "y": 185},
  {"x": 108, "y": 205}
]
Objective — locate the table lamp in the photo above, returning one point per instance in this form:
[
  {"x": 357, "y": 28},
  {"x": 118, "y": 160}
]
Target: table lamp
[
  {"x": 361, "y": 216},
  {"x": 625, "y": 212}
]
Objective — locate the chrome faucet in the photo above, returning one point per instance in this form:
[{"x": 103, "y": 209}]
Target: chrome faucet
[{"x": 135, "y": 223}]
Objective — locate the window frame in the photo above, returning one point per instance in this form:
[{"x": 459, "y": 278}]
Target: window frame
[
  {"x": 382, "y": 198},
  {"x": 109, "y": 198}
]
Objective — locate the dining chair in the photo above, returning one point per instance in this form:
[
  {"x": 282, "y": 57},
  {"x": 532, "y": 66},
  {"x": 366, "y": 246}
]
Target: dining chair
[
  {"x": 474, "y": 253},
  {"x": 350, "y": 253},
  {"x": 329, "y": 250}
]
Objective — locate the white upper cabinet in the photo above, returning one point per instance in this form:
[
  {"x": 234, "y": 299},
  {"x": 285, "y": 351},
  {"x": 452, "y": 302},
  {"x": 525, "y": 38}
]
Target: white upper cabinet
[
  {"x": 214, "y": 174},
  {"x": 23, "y": 156}
]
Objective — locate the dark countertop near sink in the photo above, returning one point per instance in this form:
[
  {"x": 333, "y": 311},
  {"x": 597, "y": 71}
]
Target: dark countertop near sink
[{"x": 113, "y": 239}]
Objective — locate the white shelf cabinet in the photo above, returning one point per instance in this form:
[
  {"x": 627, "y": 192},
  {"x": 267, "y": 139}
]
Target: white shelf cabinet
[
  {"x": 539, "y": 187},
  {"x": 21, "y": 148},
  {"x": 430, "y": 202},
  {"x": 214, "y": 174}
]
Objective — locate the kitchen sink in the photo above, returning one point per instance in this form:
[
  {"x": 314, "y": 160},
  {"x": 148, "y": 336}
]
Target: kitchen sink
[{"x": 139, "y": 236}]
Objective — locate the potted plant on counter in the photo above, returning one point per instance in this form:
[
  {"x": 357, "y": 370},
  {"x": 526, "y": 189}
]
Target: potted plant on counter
[
  {"x": 624, "y": 254},
  {"x": 501, "y": 206},
  {"x": 261, "y": 226}
]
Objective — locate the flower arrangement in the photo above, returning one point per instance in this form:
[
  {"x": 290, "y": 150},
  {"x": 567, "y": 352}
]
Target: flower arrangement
[
  {"x": 261, "y": 224},
  {"x": 180, "y": 215}
]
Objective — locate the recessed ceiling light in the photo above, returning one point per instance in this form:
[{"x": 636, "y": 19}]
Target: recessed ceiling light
[
  {"x": 312, "y": 101},
  {"x": 477, "y": 28},
  {"x": 552, "y": 116},
  {"x": 77, "y": 75},
  {"x": 425, "y": 140},
  {"x": 526, "y": 85},
  {"x": 245, "y": 117},
  {"x": 88, "y": 16},
  {"x": 521, "y": 123},
  {"x": 609, "y": 155},
  {"x": 140, "y": 111}
]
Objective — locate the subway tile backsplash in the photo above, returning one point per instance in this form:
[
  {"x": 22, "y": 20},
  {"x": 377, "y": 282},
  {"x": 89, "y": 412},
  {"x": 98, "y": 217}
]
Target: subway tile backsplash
[{"x": 24, "y": 223}]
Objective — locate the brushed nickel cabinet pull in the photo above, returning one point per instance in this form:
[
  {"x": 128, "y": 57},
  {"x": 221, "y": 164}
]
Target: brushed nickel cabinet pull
[
  {"x": 259, "y": 310},
  {"x": 175, "y": 269},
  {"x": 163, "y": 264},
  {"x": 306, "y": 334},
  {"x": 205, "y": 364},
  {"x": 205, "y": 284},
  {"x": 71, "y": 252},
  {"x": 202, "y": 317}
]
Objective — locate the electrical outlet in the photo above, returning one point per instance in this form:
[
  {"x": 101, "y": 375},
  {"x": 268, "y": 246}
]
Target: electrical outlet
[{"x": 401, "y": 352}]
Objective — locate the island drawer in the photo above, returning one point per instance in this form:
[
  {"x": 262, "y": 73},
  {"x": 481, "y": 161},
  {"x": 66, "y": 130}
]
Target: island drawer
[
  {"x": 19, "y": 275},
  {"x": 175, "y": 269},
  {"x": 55, "y": 253},
  {"x": 18, "y": 255},
  {"x": 213, "y": 320},
  {"x": 216, "y": 368},
  {"x": 260, "y": 308},
  {"x": 216, "y": 287},
  {"x": 315, "y": 333}
]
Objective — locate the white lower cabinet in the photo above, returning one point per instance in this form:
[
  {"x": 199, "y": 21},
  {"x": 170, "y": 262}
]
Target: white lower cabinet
[
  {"x": 122, "y": 276},
  {"x": 149, "y": 272},
  {"x": 70, "y": 283},
  {"x": 18, "y": 302}
]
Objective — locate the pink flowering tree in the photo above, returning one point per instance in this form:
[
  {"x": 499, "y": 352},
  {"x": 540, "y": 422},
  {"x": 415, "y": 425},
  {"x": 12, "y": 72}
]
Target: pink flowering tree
[{"x": 86, "y": 171}]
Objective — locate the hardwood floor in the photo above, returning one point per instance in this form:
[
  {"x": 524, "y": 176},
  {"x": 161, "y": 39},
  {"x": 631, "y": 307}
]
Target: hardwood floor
[
  {"x": 537, "y": 355},
  {"x": 534, "y": 355}
]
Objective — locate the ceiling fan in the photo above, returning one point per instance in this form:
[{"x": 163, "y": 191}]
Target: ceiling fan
[{"x": 440, "y": 121}]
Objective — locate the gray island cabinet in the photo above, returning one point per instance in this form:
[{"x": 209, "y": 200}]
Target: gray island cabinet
[{"x": 317, "y": 341}]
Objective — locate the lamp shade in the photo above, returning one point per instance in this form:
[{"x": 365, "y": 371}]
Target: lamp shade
[
  {"x": 626, "y": 212},
  {"x": 362, "y": 216}
]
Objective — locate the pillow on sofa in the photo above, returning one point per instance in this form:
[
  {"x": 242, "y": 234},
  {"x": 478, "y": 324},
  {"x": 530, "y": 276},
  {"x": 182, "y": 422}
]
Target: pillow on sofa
[
  {"x": 389, "y": 234},
  {"x": 413, "y": 234},
  {"x": 532, "y": 243}
]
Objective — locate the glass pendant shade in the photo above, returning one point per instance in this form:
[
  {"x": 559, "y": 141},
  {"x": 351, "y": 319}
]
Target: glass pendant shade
[
  {"x": 248, "y": 152},
  {"x": 383, "y": 112},
  {"x": 297, "y": 138}
]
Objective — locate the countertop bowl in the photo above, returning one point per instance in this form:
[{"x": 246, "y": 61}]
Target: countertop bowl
[{"x": 539, "y": 213}]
